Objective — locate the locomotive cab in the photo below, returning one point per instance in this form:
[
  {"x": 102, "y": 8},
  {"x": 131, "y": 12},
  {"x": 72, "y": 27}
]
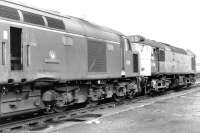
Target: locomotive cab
[{"x": 130, "y": 59}]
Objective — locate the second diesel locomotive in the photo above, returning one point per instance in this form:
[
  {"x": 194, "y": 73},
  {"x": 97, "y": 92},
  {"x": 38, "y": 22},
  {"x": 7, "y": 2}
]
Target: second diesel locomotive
[
  {"x": 49, "y": 61},
  {"x": 163, "y": 65}
]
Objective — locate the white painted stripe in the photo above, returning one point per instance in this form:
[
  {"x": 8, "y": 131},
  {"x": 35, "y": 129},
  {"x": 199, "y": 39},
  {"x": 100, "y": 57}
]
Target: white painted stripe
[
  {"x": 78, "y": 35},
  {"x": 103, "y": 40},
  {"x": 93, "y": 121},
  {"x": 73, "y": 34},
  {"x": 51, "y": 30}
]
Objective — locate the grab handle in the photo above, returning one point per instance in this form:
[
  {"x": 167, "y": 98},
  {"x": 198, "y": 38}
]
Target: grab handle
[{"x": 3, "y": 53}]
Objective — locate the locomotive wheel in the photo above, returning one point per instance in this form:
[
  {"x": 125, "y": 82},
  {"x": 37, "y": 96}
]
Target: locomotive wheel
[
  {"x": 116, "y": 98},
  {"x": 153, "y": 93},
  {"x": 132, "y": 95},
  {"x": 59, "y": 106},
  {"x": 91, "y": 103},
  {"x": 59, "y": 109},
  {"x": 48, "y": 109}
]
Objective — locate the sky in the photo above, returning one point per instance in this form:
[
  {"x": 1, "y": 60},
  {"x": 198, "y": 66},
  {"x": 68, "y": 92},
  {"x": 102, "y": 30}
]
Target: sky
[{"x": 176, "y": 22}]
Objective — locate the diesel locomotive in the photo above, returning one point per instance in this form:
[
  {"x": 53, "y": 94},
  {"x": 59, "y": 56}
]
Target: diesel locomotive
[
  {"x": 163, "y": 65},
  {"x": 49, "y": 62}
]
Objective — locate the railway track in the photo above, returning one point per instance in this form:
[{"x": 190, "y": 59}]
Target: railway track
[{"x": 38, "y": 122}]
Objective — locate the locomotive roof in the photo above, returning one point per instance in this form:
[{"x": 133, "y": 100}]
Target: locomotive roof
[
  {"x": 142, "y": 40},
  {"x": 97, "y": 31},
  {"x": 178, "y": 50},
  {"x": 72, "y": 24}
]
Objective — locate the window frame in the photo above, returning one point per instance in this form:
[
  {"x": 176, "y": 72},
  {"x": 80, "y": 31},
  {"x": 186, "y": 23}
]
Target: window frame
[
  {"x": 6, "y": 8},
  {"x": 24, "y": 13},
  {"x": 54, "y": 19}
]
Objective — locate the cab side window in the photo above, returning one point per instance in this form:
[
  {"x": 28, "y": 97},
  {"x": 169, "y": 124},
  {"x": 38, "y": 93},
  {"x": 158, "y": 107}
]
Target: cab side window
[
  {"x": 161, "y": 55},
  {"x": 155, "y": 53},
  {"x": 127, "y": 45}
]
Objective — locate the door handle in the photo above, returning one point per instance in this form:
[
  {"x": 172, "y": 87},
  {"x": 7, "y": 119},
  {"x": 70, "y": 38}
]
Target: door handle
[
  {"x": 3, "y": 53},
  {"x": 28, "y": 54}
]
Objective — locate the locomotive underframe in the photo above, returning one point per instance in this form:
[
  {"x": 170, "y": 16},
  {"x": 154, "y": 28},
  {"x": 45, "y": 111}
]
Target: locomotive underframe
[
  {"x": 162, "y": 82},
  {"x": 56, "y": 96}
]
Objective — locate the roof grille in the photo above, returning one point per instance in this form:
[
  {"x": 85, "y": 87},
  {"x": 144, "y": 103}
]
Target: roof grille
[{"x": 96, "y": 56}]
